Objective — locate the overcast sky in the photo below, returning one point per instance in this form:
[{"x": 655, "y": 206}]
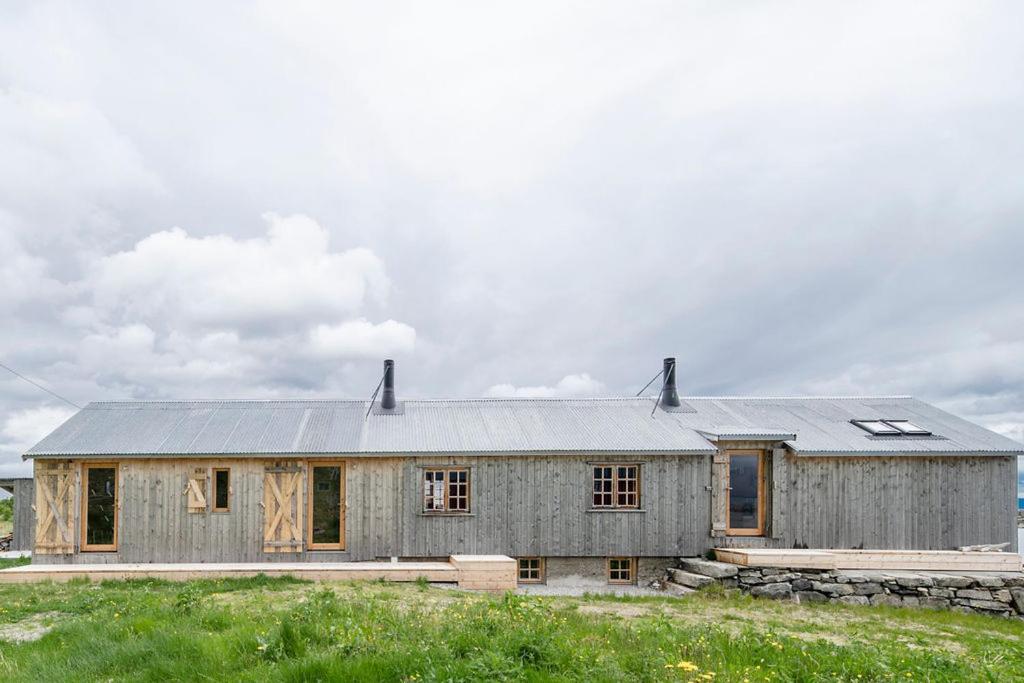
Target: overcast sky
[{"x": 206, "y": 200}]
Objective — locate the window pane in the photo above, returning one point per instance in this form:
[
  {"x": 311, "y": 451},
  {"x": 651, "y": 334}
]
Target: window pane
[
  {"x": 908, "y": 427},
  {"x": 326, "y": 494},
  {"x": 100, "y": 505},
  {"x": 743, "y": 496},
  {"x": 876, "y": 427},
  {"x": 220, "y": 488},
  {"x": 458, "y": 490}
]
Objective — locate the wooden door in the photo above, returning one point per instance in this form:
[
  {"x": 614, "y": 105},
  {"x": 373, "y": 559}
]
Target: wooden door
[
  {"x": 282, "y": 508},
  {"x": 54, "y": 508}
]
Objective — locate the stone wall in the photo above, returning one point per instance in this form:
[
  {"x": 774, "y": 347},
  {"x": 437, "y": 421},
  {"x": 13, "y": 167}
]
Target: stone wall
[{"x": 986, "y": 592}]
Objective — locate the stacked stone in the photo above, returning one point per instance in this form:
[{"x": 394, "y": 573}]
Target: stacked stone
[{"x": 990, "y": 593}]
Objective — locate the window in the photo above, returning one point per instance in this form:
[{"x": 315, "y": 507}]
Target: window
[
  {"x": 891, "y": 428},
  {"x": 745, "y": 494},
  {"x": 446, "y": 490},
  {"x": 616, "y": 486},
  {"x": 326, "y": 506},
  {"x": 908, "y": 427},
  {"x": 876, "y": 427},
  {"x": 99, "y": 507},
  {"x": 531, "y": 570},
  {"x": 221, "y": 490},
  {"x": 621, "y": 570}
]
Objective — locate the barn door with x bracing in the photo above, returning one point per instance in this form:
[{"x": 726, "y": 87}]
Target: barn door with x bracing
[{"x": 282, "y": 508}]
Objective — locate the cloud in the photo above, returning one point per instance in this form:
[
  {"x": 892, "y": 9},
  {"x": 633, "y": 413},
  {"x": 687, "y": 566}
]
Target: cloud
[
  {"x": 568, "y": 387},
  {"x": 362, "y": 339},
  {"x": 289, "y": 277},
  {"x": 496, "y": 194},
  {"x": 178, "y": 315},
  {"x": 24, "y": 428}
]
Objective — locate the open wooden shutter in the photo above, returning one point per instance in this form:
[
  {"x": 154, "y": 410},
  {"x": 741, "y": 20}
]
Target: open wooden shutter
[
  {"x": 779, "y": 492},
  {"x": 54, "y": 507},
  {"x": 282, "y": 508},
  {"x": 195, "y": 490},
  {"x": 719, "y": 483}
]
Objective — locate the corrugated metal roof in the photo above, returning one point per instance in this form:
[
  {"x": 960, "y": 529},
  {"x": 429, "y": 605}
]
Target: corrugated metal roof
[{"x": 821, "y": 425}]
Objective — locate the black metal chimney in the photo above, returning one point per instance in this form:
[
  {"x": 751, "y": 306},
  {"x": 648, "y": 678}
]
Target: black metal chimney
[
  {"x": 387, "y": 399},
  {"x": 669, "y": 396}
]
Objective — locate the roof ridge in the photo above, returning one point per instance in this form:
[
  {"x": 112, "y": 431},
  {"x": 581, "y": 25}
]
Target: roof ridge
[{"x": 497, "y": 399}]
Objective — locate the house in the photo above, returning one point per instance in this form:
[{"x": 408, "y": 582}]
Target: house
[
  {"x": 605, "y": 489},
  {"x": 21, "y": 488}
]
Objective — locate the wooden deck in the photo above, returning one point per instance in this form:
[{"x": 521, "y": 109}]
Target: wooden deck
[
  {"x": 479, "y": 572},
  {"x": 932, "y": 560}
]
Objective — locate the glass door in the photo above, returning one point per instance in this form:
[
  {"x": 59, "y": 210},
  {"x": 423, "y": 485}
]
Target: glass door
[
  {"x": 326, "y": 511},
  {"x": 99, "y": 507},
  {"x": 746, "y": 493}
]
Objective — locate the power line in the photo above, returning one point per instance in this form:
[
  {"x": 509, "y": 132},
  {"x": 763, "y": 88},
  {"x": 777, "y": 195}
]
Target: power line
[{"x": 39, "y": 386}]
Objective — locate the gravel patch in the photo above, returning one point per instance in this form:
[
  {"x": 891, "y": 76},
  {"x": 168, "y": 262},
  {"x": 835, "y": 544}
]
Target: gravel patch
[{"x": 29, "y": 629}]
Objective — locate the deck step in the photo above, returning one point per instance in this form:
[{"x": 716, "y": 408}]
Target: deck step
[
  {"x": 716, "y": 570},
  {"x": 688, "y": 579}
]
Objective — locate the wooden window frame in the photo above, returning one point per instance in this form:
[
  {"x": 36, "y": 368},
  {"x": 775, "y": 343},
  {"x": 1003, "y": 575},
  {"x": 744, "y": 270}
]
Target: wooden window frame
[
  {"x": 621, "y": 582},
  {"x": 447, "y": 469},
  {"x": 615, "y": 485},
  {"x": 343, "y": 504},
  {"x": 541, "y": 570},
  {"x": 762, "y": 493},
  {"x": 84, "y": 494},
  {"x": 213, "y": 498}
]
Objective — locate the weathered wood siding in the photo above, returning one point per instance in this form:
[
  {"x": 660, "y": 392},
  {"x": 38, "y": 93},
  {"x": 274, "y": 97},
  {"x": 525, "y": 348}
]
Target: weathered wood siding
[
  {"x": 924, "y": 503},
  {"x": 536, "y": 505},
  {"x": 24, "y": 529},
  {"x": 155, "y": 526},
  {"x": 542, "y": 506},
  {"x": 911, "y": 502}
]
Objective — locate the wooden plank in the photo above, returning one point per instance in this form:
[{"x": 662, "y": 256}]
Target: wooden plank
[
  {"x": 779, "y": 493},
  {"x": 935, "y": 560},
  {"x": 719, "y": 494}
]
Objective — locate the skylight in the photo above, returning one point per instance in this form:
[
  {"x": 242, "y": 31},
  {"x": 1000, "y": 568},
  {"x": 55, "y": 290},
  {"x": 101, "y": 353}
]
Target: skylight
[
  {"x": 908, "y": 427},
  {"x": 891, "y": 428},
  {"x": 877, "y": 427}
]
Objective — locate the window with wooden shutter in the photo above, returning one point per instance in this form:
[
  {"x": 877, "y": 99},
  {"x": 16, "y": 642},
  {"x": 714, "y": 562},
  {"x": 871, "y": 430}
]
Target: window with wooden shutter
[
  {"x": 282, "y": 508},
  {"x": 195, "y": 490},
  {"x": 54, "y": 508}
]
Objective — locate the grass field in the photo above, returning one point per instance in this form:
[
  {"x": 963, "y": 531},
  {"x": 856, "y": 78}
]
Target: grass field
[{"x": 286, "y": 630}]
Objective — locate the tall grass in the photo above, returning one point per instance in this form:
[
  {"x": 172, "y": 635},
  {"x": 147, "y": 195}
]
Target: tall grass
[{"x": 278, "y": 629}]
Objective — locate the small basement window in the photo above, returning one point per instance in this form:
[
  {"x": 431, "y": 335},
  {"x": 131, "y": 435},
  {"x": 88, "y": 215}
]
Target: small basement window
[
  {"x": 446, "y": 490},
  {"x": 616, "y": 486},
  {"x": 531, "y": 570},
  {"x": 221, "y": 490},
  {"x": 621, "y": 570}
]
